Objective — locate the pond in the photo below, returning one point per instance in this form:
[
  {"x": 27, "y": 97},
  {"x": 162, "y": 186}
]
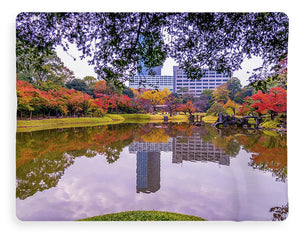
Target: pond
[{"x": 228, "y": 174}]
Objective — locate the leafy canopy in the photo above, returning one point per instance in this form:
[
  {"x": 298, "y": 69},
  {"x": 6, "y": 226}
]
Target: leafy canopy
[{"x": 115, "y": 43}]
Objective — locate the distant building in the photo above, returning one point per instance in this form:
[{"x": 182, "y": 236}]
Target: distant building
[
  {"x": 210, "y": 80},
  {"x": 146, "y": 71},
  {"x": 152, "y": 82}
]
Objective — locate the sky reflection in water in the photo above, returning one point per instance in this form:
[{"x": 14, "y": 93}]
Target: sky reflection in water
[{"x": 218, "y": 175}]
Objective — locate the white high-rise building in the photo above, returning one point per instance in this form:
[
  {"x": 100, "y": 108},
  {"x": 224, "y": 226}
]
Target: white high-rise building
[
  {"x": 210, "y": 80},
  {"x": 152, "y": 82}
]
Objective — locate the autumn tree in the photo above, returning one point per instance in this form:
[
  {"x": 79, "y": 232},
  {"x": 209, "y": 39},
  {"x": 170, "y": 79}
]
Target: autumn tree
[
  {"x": 188, "y": 107},
  {"x": 123, "y": 103},
  {"x": 29, "y": 98},
  {"x": 100, "y": 88},
  {"x": 231, "y": 105},
  {"x": 106, "y": 103},
  {"x": 221, "y": 94},
  {"x": 107, "y": 88},
  {"x": 172, "y": 104},
  {"x": 156, "y": 97},
  {"x": 273, "y": 102}
]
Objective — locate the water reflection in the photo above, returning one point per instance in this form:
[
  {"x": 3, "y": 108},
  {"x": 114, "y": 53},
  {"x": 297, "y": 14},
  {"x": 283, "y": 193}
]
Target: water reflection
[
  {"x": 195, "y": 149},
  {"x": 44, "y": 156},
  {"x": 183, "y": 148},
  {"x": 147, "y": 172}
]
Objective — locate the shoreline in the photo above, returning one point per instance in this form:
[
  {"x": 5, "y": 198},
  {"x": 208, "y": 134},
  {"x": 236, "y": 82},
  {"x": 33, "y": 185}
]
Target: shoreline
[
  {"x": 60, "y": 123},
  {"x": 54, "y": 123}
]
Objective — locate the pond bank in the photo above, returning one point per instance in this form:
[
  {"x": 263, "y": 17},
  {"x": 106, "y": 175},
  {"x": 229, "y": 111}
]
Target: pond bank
[
  {"x": 144, "y": 216},
  {"x": 44, "y": 124}
]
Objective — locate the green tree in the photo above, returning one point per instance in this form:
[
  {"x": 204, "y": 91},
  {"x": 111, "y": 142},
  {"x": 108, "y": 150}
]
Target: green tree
[
  {"x": 234, "y": 86},
  {"x": 79, "y": 85},
  {"x": 127, "y": 91},
  {"x": 90, "y": 81},
  {"x": 245, "y": 92},
  {"x": 215, "y": 109},
  {"x": 207, "y": 94},
  {"x": 42, "y": 67}
]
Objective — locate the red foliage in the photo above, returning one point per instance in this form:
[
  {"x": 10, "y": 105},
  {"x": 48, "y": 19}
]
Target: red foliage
[
  {"x": 274, "y": 101},
  {"x": 105, "y": 102},
  {"x": 188, "y": 107}
]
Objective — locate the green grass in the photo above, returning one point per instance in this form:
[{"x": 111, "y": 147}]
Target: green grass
[
  {"x": 115, "y": 116},
  {"x": 174, "y": 118},
  {"x": 210, "y": 119},
  {"x": 270, "y": 124},
  {"x": 144, "y": 216},
  {"x": 43, "y": 124},
  {"x": 136, "y": 116}
]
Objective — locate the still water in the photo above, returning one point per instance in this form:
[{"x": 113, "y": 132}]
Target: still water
[{"x": 228, "y": 174}]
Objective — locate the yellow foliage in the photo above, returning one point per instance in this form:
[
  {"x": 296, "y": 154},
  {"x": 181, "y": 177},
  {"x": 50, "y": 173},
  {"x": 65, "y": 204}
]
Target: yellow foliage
[
  {"x": 156, "y": 136},
  {"x": 156, "y": 97}
]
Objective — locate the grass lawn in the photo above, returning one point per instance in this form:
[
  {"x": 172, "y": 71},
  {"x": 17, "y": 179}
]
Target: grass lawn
[
  {"x": 144, "y": 216},
  {"x": 136, "y": 116},
  {"x": 210, "y": 119},
  {"x": 174, "y": 118},
  {"x": 43, "y": 124},
  {"x": 115, "y": 116}
]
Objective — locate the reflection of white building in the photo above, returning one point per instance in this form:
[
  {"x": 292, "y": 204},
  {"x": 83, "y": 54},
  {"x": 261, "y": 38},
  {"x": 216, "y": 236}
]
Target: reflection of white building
[
  {"x": 194, "y": 148},
  {"x": 153, "y": 147},
  {"x": 147, "y": 171}
]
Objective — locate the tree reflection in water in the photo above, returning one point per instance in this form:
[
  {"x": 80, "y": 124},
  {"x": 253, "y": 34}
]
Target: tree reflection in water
[
  {"x": 43, "y": 156},
  {"x": 280, "y": 213}
]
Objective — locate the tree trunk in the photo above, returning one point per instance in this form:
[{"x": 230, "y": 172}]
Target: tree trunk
[
  {"x": 30, "y": 114},
  {"x": 272, "y": 115}
]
